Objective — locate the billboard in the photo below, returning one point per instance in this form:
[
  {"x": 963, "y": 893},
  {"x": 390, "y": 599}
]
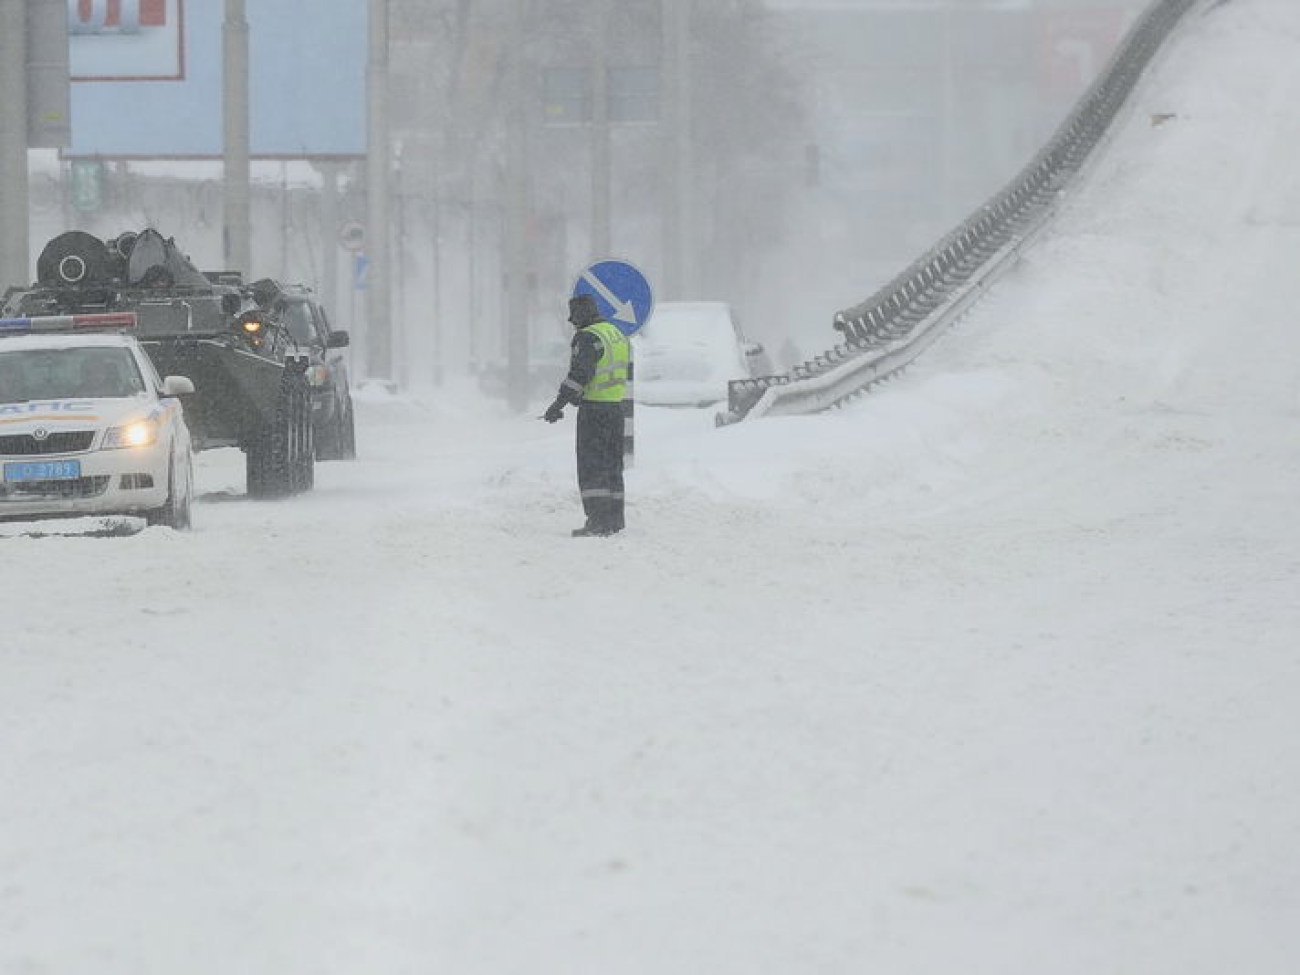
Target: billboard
[
  {"x": 147, "y": 78},
  {"x": 125, "y": 40}
]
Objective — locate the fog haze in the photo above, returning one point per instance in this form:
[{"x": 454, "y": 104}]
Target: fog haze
[{"x": 787, "y": 157}]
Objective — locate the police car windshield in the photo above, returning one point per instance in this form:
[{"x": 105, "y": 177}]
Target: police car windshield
[{"x": 92, "y": 373}]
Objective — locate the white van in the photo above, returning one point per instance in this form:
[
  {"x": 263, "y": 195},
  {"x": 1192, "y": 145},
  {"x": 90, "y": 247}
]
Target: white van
[{"x": 687, "y": 353}]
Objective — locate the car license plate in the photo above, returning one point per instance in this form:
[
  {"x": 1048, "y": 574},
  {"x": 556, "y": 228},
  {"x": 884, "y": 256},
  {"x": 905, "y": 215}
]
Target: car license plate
[{"x": 43, "y": 470}]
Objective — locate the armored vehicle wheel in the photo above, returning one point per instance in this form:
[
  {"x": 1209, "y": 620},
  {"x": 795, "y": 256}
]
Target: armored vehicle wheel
[
  {"x": 280, "y": 456},
  {"x": 302, "y": 464}
]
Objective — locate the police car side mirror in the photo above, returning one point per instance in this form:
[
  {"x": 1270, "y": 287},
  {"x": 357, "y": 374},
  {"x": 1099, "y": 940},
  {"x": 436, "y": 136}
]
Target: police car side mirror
[
  {"x": 177, "y": 386},
  {"x": 338, "y": 340}
]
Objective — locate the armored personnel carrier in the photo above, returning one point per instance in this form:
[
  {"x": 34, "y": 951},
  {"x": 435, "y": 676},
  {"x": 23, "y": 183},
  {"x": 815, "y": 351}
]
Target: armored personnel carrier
[{"x": 250, "y": 373}]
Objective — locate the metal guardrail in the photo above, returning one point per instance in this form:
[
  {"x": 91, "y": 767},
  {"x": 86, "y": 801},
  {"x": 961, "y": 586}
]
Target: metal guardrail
[{"x": 892, "y": 327}]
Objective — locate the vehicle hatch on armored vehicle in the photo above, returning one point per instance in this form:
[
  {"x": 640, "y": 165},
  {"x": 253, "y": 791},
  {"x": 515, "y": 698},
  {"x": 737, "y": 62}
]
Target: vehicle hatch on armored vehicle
[{"x": 86, "y": 425}]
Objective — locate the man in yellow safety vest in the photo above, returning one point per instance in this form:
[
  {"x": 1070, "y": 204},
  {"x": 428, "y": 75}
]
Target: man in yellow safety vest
[{"x": 596, "y": 384}]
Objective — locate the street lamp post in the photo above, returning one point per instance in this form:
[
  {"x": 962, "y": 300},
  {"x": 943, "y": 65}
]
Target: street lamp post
[
  {"x": 237, "y": 234},
  {"x": 15, "y": 222},
  {"x": 516, "y": 217},
  {"x": 678, "y": 231},
  {"x": 600, "y": 135},
  {"x": 379, "y": 327}
]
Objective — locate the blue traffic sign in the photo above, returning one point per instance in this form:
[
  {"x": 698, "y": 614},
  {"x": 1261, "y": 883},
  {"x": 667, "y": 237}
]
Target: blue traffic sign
[{"x": 621, "y": 291}]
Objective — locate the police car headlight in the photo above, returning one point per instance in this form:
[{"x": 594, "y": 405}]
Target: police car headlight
[{"x": 142, "y": 433}]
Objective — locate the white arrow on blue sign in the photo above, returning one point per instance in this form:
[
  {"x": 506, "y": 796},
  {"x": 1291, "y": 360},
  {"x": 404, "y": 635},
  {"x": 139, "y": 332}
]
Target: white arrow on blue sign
[{"x": 622, "y": 293}]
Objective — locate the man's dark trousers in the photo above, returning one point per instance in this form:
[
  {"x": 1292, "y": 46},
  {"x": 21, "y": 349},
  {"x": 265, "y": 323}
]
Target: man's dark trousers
[{"x": 600, "y": 464}]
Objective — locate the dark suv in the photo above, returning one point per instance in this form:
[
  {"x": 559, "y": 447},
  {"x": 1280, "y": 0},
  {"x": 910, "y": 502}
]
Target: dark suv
[{"x": 295, "y": 306}]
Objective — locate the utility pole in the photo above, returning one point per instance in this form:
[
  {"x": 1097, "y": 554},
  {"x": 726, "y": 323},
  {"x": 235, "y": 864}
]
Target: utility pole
[
  {"x": 15, "y": 222},
  {"x": 679, "y": 230},
  {"x": 379, "y": 326},
  {"x": 516, "y": 217},
  {"x": 600, "y": 136},
  {"x": 948, "y": 99},
  {"x": 237, "y": 232},
  {"x": 330, "y": 225}
]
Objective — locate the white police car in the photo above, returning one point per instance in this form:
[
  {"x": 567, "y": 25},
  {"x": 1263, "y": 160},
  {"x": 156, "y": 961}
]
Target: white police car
[{"x": 86, "y": 425}]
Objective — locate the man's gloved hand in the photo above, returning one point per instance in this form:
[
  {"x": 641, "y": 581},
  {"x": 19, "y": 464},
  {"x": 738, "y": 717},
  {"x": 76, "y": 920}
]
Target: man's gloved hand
[{"x": 554, "y": 412}]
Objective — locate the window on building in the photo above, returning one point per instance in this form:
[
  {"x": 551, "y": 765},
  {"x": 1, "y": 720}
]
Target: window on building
[
  {"x": 634, "y": 94},
  {"x": 566, "y": 96}
]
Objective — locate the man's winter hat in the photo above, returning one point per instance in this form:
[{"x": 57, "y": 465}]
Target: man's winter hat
[{"x": 583, "y": 310}]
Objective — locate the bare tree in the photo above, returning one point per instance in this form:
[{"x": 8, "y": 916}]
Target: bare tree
[{"x": 452, "y": 113}]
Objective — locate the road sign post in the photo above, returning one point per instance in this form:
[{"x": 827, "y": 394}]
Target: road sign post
[
  {"x": 623, "y": 295},
  {"x": 625, "y": 299},
  {"x": 352, "y": 236}
]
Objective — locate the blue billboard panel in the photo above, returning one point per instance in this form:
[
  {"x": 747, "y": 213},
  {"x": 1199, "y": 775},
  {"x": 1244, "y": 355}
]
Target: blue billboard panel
[
  {"x": 119, "y": 40},
  {"x": 148, "y": 78}
]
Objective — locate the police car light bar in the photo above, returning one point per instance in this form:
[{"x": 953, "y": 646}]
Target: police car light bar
[{"x": 67, "y": 323}]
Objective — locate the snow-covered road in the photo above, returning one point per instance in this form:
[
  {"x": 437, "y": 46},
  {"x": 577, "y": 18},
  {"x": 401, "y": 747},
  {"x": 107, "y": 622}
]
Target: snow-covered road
[{"x": 994, "y": 672}]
